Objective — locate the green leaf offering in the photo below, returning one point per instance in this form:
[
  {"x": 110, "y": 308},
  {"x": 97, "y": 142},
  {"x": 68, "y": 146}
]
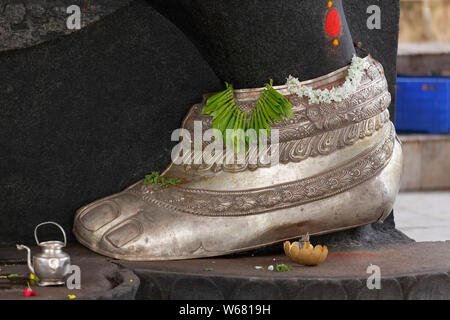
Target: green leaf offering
[
  {"x": 270, "y": 107},
  {"x": 156, "y": 179}
]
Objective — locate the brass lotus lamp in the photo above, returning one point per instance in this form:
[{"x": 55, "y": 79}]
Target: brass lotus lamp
[{"x": 304, "y": 253}]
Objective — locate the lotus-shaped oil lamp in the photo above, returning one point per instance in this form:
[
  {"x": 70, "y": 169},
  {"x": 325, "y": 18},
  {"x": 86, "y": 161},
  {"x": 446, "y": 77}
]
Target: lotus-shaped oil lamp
[{"x": 305, "y": 253}]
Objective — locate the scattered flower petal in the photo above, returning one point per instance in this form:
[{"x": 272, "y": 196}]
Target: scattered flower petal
[
  {"x": 34, "y": 279},
  {"x": 28, "y": 292}
]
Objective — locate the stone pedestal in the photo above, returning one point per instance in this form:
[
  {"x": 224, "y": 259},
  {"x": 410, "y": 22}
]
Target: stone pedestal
[
  {"x": 408, "y": 271},
  {"x": 100, "y": 279}
]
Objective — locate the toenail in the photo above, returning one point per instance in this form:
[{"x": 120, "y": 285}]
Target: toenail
[
  {"x": 100, "y": 215},
  {"x": 125, "y": 233}
]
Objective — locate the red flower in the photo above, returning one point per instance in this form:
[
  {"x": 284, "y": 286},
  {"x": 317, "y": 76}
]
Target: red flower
[{"x": 27, "y": 292}]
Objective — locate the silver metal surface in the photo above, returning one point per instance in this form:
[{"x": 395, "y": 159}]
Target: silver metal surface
[
  {"x": 340, "y": 168},
  {"x": 52, "y": 264}
]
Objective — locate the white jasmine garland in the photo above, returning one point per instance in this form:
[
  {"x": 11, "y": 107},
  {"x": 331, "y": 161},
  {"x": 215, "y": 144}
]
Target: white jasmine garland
[{"x": 352, "y": 81}]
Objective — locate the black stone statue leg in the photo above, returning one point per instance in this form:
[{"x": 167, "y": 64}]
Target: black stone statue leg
[{"x": 248, "y": 42}]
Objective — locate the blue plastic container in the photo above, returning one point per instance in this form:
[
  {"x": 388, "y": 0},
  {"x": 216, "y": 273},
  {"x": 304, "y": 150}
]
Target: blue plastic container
[{"x": 423, "y": 104}]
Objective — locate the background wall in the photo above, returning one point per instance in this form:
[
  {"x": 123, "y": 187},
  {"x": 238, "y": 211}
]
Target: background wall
[{"x": 424, "y": 21}]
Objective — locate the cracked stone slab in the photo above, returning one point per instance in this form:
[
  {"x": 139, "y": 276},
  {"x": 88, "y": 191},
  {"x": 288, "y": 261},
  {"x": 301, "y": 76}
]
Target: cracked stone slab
[
  {"x": 100, "y": 279},
  {"x": 28, "y": 23},
  {"x": 409, "y": 271}
]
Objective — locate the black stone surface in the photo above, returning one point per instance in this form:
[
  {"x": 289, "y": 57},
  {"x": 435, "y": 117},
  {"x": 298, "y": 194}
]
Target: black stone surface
[
  {"x": 85, "y": 115},
  {"x": 249, "y": 57},
  {"x": 409, "y": 271},
  {"x": 368, "y": 236},
  {"x": 99, "y": 278},
  {"x": 248, "y": 42},
  {"x": 27, "y": 23},
  {"x": 383, "y": 43},
  {"x": 371, "y": 236}
]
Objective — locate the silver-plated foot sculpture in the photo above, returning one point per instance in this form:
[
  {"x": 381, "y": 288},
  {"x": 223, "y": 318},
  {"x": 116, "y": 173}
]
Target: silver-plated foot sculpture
[{"x": 340, "y": 166}]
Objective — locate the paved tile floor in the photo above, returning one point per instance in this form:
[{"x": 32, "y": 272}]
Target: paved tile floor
[{"x": 424, "y": 216}]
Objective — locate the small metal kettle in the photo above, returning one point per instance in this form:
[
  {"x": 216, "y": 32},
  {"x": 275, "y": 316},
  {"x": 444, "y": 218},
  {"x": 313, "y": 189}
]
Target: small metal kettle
[{"x": 51, "y": 265}]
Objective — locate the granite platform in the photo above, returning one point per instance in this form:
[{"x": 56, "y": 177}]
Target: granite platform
[{"x": 409, "y": 271}]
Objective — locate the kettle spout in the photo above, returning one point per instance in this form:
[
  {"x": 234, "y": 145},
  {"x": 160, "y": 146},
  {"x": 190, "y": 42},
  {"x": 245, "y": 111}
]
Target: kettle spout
[{"x": 22, "y": 247}]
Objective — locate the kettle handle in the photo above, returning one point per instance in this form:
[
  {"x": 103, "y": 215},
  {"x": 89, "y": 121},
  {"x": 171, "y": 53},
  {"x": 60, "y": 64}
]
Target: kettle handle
[{"x": 49, "y": 222}]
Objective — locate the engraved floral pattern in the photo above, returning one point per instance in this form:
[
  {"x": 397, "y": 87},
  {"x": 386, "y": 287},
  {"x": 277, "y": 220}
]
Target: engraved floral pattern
[
  {"x": 238, "y": 203},
  {"x": 318, "y": 129}
]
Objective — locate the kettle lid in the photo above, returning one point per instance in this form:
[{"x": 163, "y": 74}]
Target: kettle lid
[{"x": 52, "y": 244}]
